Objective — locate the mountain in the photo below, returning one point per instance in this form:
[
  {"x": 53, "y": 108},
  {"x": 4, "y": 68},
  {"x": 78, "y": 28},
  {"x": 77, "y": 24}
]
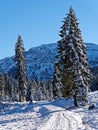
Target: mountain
[{"x": 40, "y": 61}]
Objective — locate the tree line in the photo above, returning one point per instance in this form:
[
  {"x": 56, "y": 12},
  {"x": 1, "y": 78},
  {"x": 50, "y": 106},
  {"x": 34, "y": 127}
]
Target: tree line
[{"x": 71, "y": 77}]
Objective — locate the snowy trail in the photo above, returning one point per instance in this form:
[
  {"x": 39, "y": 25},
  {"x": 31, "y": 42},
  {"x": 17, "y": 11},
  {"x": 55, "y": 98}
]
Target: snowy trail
[
  {"x": 60, "y": 119},
  {"x": 41, "y": 116},
  {"x": 46, "y": 115}
]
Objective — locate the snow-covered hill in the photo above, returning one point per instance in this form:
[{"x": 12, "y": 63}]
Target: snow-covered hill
[
  {"x": 49, "y": 115},
  {"x": 92, "y": 52},
  {"x": 40, "y": 61}
]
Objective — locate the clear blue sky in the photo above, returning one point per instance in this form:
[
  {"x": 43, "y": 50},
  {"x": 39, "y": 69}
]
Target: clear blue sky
[{"x": 39, "y": 21}]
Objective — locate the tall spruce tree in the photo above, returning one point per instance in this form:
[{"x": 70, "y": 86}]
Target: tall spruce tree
[
  {"x": 21, "y": 69},
  {"x": 71, "y": 61}
]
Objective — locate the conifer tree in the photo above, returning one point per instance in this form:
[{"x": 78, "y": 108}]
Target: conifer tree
[
  {"x": 9, "y": 87},
  {"x": 71, "y": 61},
  {"x": 56, "y": 84},
  {"x": 30, "y": 91},
  {"x": 2, "y": 87},
  {"x": 21, "y": 69},
  {"x": 50, "y": 84}
]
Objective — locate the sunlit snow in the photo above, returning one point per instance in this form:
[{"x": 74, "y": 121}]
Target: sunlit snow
[{"x": 49, "y": 115}]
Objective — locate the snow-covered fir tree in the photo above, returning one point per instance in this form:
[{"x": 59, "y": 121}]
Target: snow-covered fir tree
[
  {"x": 71, "y": 61},
  {"x": 10, "y": 91},
  {"x": 21, "y": 69},
  {"x": 2, "y": 87},
  {"x": 39, "y": 90},
  {"x": 50, "y": 84},
  {"x": 31, "y": 90},
  {"x": 43, "y": 92},
  {"x": 56, "y": 84},
  {"x": 16, "y": 91},
  {"x": 47, "y": 91}
]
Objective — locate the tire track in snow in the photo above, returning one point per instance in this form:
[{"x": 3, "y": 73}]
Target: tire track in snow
[{"x": 61, "y": 119}]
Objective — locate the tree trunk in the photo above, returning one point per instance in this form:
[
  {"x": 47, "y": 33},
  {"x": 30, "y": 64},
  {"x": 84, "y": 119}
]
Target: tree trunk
[{"x": 75, "y": 101}]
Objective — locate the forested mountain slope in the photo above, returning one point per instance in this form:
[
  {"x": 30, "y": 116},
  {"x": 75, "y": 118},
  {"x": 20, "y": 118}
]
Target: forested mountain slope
[{"x": 40, "y": 61}]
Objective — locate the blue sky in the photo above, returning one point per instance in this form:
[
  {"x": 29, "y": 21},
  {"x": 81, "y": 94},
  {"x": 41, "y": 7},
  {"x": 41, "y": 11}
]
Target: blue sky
[{"x": 39, "y": 21}]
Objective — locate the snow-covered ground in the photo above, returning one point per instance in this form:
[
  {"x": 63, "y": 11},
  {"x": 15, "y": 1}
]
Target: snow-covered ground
[{"x": 45, "y": 115}]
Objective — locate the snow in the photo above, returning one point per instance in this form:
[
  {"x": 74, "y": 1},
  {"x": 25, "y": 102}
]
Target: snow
[
  {"x": 49, "y": 115},
  {"x": 39, "y": 116}
]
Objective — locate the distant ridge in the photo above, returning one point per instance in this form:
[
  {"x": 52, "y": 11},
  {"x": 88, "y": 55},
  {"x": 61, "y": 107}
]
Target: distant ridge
[{"x": 40, "y": 61}]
